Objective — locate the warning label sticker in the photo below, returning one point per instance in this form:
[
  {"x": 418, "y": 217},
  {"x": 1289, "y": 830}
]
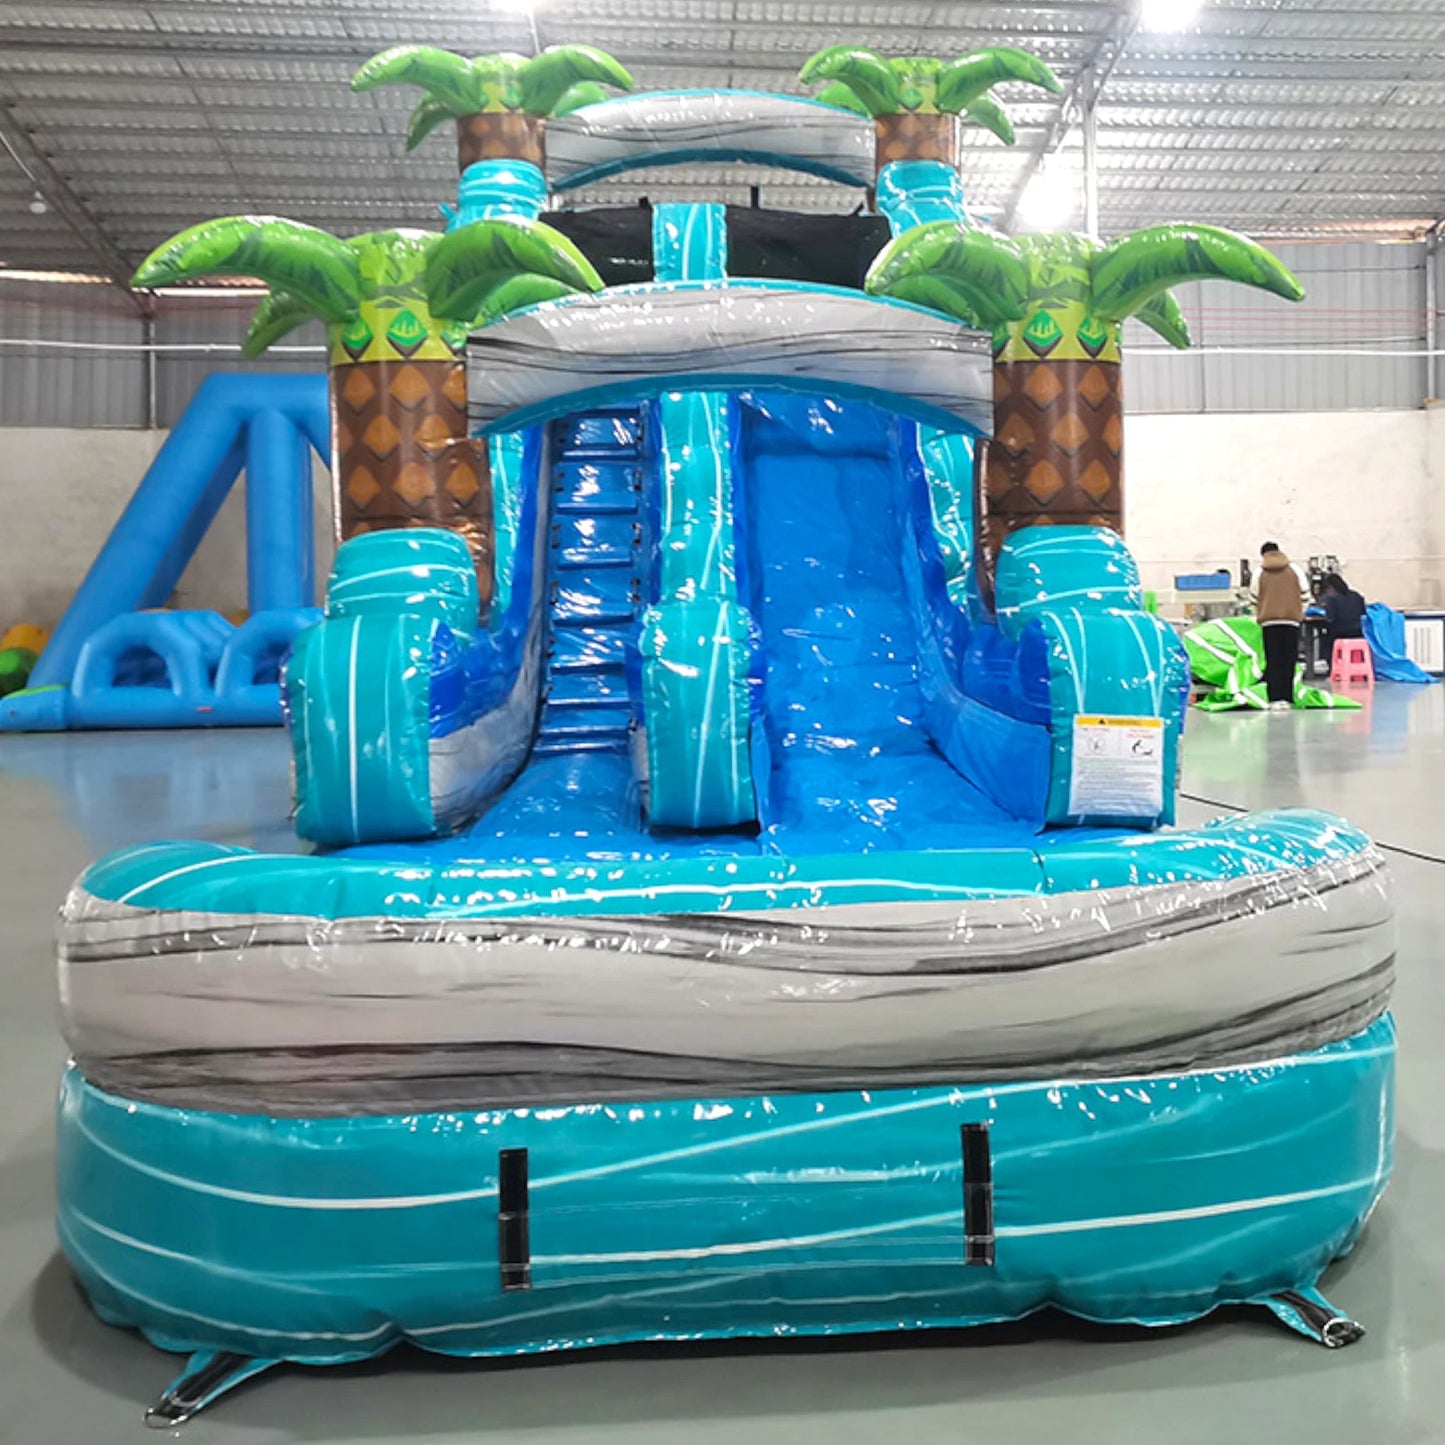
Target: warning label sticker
[{"x": 1118, "y": 767}]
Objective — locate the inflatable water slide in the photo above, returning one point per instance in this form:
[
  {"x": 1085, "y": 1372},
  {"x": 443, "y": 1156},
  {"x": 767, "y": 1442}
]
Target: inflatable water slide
[{"x": 755, "y": 906}]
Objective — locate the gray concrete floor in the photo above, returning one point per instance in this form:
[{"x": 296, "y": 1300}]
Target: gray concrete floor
[{"x": 66, "y": 1379}]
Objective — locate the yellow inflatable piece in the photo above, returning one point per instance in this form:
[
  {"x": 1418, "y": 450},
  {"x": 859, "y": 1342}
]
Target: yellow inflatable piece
[{"x": 26, "y": 635}]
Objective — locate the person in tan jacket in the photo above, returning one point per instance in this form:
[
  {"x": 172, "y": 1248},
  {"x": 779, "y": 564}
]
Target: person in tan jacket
[{"x": 1281, "y": 595}]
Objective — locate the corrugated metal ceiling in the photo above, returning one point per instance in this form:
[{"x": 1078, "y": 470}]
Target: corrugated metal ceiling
[{"x": 1276, "y": 116}]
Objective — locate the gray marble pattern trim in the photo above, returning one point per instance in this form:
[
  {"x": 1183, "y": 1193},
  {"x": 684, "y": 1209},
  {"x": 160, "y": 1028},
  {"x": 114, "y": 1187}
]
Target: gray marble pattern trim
[
  {"x": 669, "y": 127},
  {"x": 749, "y": 333}
]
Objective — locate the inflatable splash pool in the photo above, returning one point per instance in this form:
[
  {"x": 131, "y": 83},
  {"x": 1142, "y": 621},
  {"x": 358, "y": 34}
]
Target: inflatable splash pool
[{"x": 745, "y": 895}]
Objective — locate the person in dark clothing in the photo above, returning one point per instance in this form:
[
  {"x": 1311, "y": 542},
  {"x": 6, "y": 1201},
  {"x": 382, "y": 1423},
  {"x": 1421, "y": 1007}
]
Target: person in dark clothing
[{"x": 1344, "y": 610}]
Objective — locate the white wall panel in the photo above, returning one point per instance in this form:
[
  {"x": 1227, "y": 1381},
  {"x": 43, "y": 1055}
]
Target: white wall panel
[{"x": 1204, "y": 491}]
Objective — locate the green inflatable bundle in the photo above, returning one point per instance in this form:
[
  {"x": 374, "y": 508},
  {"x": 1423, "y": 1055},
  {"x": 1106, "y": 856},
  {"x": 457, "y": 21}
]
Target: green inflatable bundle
[
  {"x": 16, "y": 665},
  {"x": 1228, "y": 655}
]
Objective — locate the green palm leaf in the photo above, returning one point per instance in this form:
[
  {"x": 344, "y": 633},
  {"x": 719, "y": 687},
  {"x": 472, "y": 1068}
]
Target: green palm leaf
[
  {"x": 519, "y": 291},
  {"x": 309, "y": 264},
  {"x": 585, "y": 92},
  {"x": 548, "y": 77},
  {"x": 971, "y": 76},
  {"x": 1136, "y": 268},
  {"x": 939, "y": 293},
  {"x": 1162, "y": 315},
  {"x": 837, "y": 94},
  {"x": 500, "y": 65},
  {"x": 392, "y": 264},
  {"x": 278, "y": 314},
  {"x": 425, "y": 118},
  {"x": 467, "y": 266},
  {"x": 985, "y": 278},
  {"x": 446, "y": 77},
  {"x": 917, "y": 77},
  {"x": 497, "y": 80},
  {"x": 918, "y": 67},
  {"x": 988, "y": 113},
  {"x": 863, "y": 71}
]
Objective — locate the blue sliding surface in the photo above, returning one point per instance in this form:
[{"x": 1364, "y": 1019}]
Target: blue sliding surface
[{"x": 851, "y": 765}]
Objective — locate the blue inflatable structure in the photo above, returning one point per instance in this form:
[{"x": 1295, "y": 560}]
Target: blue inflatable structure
[
  {"x": 116, "y": 660},
  {"x": 753, "y": 924},
  {"x": 1385, "y": 632}
]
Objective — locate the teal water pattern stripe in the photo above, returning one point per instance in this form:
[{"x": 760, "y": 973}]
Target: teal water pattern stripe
[
  {"x": 506, "y": 453},
  {"x": 1106, "y": 655},
  {"x": 914, "y": 193},
  {"x": 402, "y": 648},
  {"x": 1150, "y": 1198},
  {"x": 1042, "y": 568},
  {"x": 695, "y": 482},
  {"x": 696, "y": 640},
  {"x": 216, "y": 878},
  {"x": 360, "y": 684},
  {"x": 948, "y": 465},
  {"x": 1112, "y": 663},
  {"x": 689, "y": 242},
  {"x": 695, "y": 658},
  {"x": 358, "y": 694},
  {"x": 422, "y": 570},
  {"x": 490, "y": 189}
]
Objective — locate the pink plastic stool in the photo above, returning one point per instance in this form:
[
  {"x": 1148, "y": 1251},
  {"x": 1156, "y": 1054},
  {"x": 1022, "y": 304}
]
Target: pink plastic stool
[{"x": 1352, "y": 661}]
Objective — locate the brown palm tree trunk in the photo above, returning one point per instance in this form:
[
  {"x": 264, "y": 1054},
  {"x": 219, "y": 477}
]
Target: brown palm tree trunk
[
  {"x": 402, "y": 456},
  {"x": 506, "y": 135},
  {"x": 1056, "y": 455},
  {"x": 916, "y": 136}
]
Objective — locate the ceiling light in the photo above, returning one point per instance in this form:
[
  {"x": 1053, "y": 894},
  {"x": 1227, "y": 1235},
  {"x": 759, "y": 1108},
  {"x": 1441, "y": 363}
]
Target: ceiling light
[
  {"x": 1166, "y": 15},
  {"x": 515, "y": 7},
  {"x": 67, "y": 278},
  {"x": 38, "y": 205},
  {"x": 1051, "y": 200}
]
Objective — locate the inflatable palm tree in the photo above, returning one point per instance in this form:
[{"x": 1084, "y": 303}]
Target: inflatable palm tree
[
  {"x": 397, "y": 306},
  {"x": 916, "y": 101},
  {"x": 1055, "y": 305},
  {"x": 500, "y": 103}
]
